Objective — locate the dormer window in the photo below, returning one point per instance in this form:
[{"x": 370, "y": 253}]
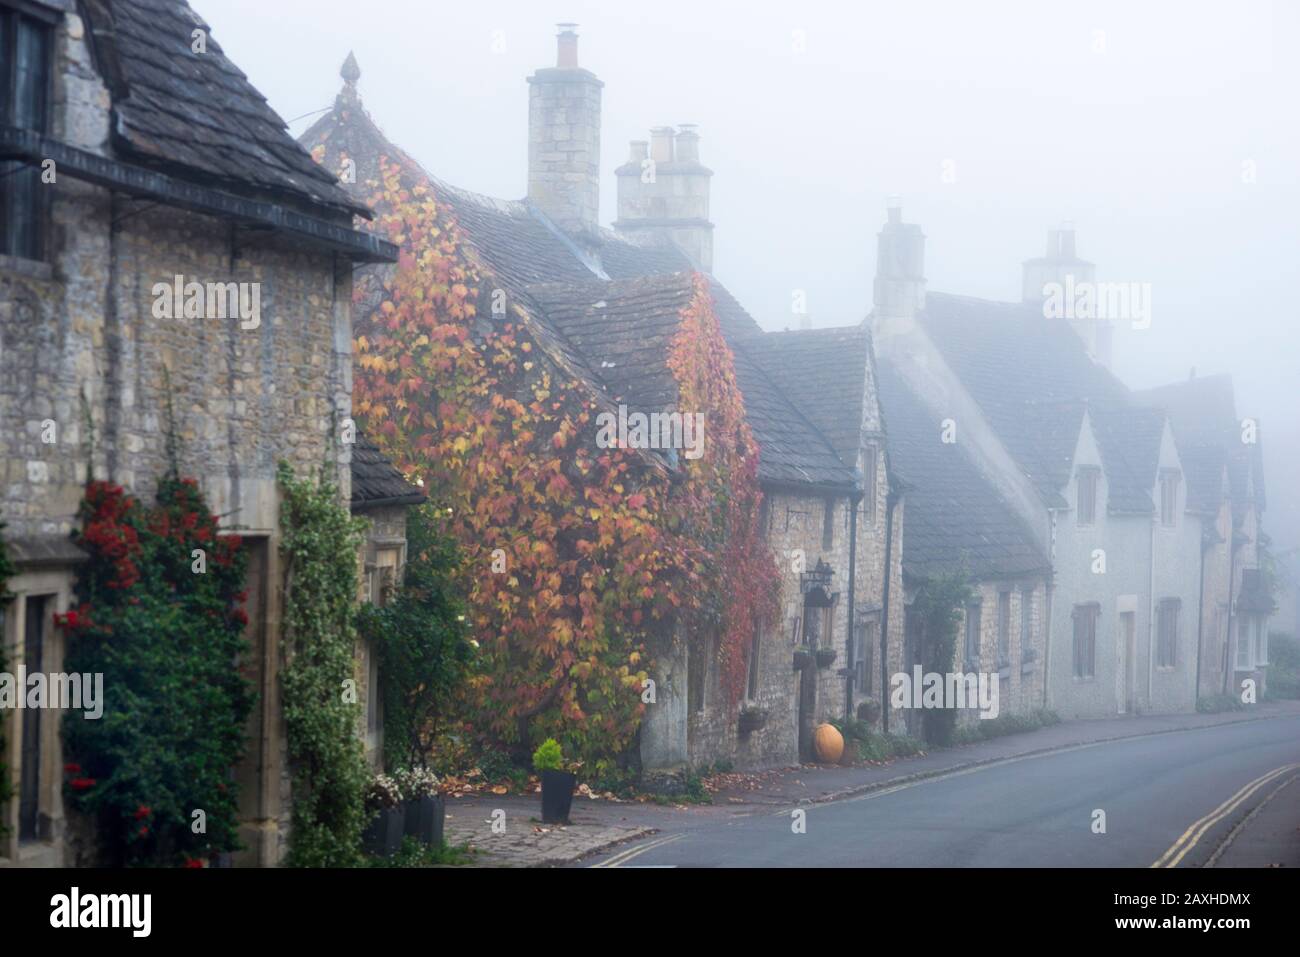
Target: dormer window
[
  {"x": 24, "y": 103},
  {"x": 1169, "y": 480},
  {"x": 1087, "y": 482}
]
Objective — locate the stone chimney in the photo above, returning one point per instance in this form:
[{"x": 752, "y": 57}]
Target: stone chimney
[
  {"x": 899, "y": 290},
  {"x": 663, "y": 189},
  {"x": 1063, "y": 268},
  {"x": 564, "y": 140}
]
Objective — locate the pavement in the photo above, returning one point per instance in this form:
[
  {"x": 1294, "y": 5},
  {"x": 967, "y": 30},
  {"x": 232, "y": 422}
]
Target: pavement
[{"x": 609, "y": 833}]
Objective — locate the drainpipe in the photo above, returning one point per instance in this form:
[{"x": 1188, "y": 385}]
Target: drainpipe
[
  {"x": 1230, "y": 661},
  {"x": 891, "y": 502},
  {"x": 1200, "y": 625},
  {"x": 854, "y": 498},
  {"x": 1151, "y": 614}
]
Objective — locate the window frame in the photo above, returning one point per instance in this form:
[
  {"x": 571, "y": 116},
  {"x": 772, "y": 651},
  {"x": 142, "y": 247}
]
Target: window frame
[
  {"x": 1091, "y": 475},
  {"x": 1004, "y": 628},
  {"x": 975, "y": 617},
  {"x": 1090, "y": 614},
  {"x": 1168, "y": 613},
  {"x": 1170, "y": 480},
  {"x": 36, "y": 246}
]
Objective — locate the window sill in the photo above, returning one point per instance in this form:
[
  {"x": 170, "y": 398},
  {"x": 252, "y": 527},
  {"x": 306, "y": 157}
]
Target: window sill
[
  {"x": 27, "y": 268},
  {"x": 1083, "y": 679}
]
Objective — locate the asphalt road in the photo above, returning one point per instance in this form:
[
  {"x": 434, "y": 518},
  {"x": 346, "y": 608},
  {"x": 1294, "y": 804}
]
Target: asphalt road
[{"x": 1168, "y": 797}]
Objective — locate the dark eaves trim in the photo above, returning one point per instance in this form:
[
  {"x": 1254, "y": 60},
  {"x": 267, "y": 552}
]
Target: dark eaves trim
[
  {"x": 20, "y": 144},
  {"x": 408, "y": 499},
  {"x": 809, "y": 488}
]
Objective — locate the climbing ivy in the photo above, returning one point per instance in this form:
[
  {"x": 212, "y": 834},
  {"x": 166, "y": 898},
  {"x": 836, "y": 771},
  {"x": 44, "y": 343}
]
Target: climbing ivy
[
  {"x": 576, "y": 558},
  {"x": 939, "y": 603},
  {"x": 320, "y": 543}
]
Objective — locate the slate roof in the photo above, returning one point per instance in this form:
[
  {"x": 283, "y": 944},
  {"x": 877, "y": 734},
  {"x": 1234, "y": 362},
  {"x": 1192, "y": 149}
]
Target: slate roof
[
  {"x": 624, "y": 328},
  {"x": 1203, "y": 413},
  {"x": 956, "y": 521},
  {"x": 1033, "y": 379},
  {"x": 376, "y": 481},
  {"x": 529, "y": 256},
  {"x": 196, "y": 116},
  {"x": 824, "y": 372}
]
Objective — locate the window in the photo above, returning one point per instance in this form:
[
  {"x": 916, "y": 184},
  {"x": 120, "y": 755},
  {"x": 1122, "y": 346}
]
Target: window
[
  {"x": 1169, "y": 498},
  {"x": 869, "y": 484},
  {"x": 828, "y": 524},
  {"x": 1085, "y": 640},
  {"x": 1088, "y": 479},
  {"x": 1261, "y": 642},
  {"x": 24, "y": 103},
  {"x": 868, "y": 632},
  {"x": 1243, "y": 644},
  {"x": 1026, "y": 622},
  {"x": 30, "y": 768},
  {"x": 972, "y": 634},
  {"x": 1167, "y": 632},
  {"x": 755, "y": 646},
  {"x": 1004, "y": 628}
]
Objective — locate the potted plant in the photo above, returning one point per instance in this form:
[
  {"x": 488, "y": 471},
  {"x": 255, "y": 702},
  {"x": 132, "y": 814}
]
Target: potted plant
[
  {"x": 557, "y": 783},
  {"x": 424, "y": 808},
  {"x": 825, "y": 657},
  {"x": 383, "y": 835},
  {"x": 802, "y": 659},
  {"x": 869, "y": 711}
]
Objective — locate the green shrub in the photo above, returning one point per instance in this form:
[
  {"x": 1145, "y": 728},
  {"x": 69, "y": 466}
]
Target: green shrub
[
  {"x": 166, "y": 638},
  {"x": 422, "y": 643},
  {"x": 939, "y": 604},
  {"x": 548, "y": 756},
  {"x": 1218, "y": 703},
  {"x": 1283, "y": 666}
]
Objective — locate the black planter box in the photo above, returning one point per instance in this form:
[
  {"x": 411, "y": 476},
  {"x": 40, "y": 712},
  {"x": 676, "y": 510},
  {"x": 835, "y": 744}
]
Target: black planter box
[
  {"x": 383, "y": 836},
  {"x": 752, "y": 720},
  {"x": 802, "y": 660},
  {"x": 557, "y": 796},
  {"x": 424, "y": 817},
  {"x": 825, "y": 657}
]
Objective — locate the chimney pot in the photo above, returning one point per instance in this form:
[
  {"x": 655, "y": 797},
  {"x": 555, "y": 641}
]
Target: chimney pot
[
  {"x": 661, "y": 144},
  {"x": 687, "y": 143},
  {"x": 566, "y": 57},
  {"x": 640, "y": 150},
  {"x": 894, "y": 208}
]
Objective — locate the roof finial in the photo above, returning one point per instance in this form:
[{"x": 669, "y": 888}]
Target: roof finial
[{"x": 350, "y": 72}]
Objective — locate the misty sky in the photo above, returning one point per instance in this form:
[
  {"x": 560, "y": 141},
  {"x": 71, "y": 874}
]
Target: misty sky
[{"x": 1133, "y": 121}]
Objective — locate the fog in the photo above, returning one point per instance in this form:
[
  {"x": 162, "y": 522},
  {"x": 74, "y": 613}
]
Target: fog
[{"x": 1165, "y": 132}]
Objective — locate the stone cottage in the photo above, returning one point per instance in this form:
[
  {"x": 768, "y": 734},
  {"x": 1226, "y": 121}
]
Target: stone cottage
[
  {"x": 138, "y": 168},
  {"x": 1223, "y": 455},
  {"x": 586, "y": 291},
  {"x": 958, "y": 525},
  {"x": 1095, "y": 476}
]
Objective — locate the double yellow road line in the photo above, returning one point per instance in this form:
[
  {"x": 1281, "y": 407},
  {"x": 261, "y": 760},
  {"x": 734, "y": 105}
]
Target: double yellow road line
[
  {"x": 1193, "y": 834},
  {"x": 624, "y": 856}
]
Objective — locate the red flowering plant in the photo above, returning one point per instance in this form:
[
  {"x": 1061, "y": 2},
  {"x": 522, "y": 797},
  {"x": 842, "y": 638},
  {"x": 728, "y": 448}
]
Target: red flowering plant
[{"x": 159, "y": 615}]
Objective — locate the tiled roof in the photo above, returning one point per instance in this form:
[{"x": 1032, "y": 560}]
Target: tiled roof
[
  {"x": 825, "y": 372},
  {"x": 1203, "y": 413},
  {"x": 623, "y": 329},
  {"x": 1033, "y": 380},
  {"x": 524, "y": 250},
  {"x": 955, "y": 520},
  {"x": 376, "y": 481},
  {"x": 195, "y": 115}
]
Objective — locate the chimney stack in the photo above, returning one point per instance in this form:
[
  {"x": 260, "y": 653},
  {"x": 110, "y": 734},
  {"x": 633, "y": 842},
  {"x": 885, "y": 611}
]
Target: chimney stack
[
  {"x": 899, "y": 290},
  {"x": 666, "y": 193},
  {"x": 1063, "y": 267},
  {"x": 564, "y": 140}
]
